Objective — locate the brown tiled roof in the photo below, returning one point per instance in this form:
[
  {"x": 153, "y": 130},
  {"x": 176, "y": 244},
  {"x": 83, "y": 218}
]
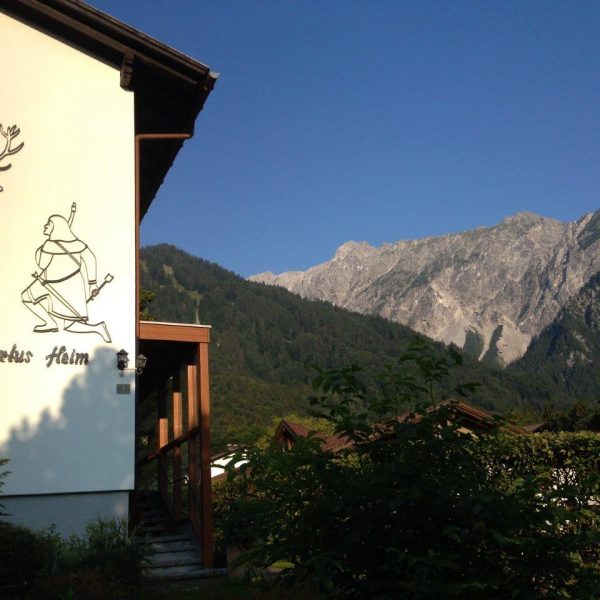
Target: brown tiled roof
[
  {"x": 295, "y": 429},
  {"x": 473, "y": 419},
  {"x": 480, "y": 418}
]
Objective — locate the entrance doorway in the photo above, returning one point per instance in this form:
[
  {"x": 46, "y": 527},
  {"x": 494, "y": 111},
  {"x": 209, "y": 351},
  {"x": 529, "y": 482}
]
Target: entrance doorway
[{"x": 173, "y": 425}]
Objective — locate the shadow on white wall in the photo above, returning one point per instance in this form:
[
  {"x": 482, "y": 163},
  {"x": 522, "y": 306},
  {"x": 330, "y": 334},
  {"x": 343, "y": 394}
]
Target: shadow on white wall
[{"x": 89, "y": 446}]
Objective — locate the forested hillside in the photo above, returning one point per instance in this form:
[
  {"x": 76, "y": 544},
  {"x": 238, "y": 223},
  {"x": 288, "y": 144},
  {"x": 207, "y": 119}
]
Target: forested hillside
[
  {"x": 265, "y": 340},
  {"x": 491, "y": 289},
  {"x": 566, "y": 355}
]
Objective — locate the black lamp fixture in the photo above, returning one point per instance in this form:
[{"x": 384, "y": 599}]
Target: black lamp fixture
[
  {"x": 140, "y": 364},
  {"x": 123, "y": 361}
]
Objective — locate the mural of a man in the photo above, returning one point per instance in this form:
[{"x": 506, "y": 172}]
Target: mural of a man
[{"x": 65, "y": 283}]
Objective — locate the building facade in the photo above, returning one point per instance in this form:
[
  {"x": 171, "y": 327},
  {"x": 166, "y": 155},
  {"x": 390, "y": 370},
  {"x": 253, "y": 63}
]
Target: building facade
[{"x": 92, "y": 115}]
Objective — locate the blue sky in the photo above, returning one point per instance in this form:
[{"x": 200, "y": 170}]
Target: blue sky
[{"x": 375, "y": 120}]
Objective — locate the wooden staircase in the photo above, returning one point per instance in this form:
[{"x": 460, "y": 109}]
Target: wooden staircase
[{"x": 172, "y": 550}]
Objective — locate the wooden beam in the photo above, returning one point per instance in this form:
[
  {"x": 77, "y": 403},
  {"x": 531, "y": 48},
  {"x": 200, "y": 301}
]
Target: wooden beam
[
  {"x": 171, "y": 332},
  {"x": 192, "y": 390},
  {"x": 162, "y": 438},
  {"x": 177, "y": 473},
  {"x": 205, "y": 478},
  {"x": 193, "y": 432}
]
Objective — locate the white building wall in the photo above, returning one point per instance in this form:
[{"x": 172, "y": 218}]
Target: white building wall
[{"x": 62, "y": 424}]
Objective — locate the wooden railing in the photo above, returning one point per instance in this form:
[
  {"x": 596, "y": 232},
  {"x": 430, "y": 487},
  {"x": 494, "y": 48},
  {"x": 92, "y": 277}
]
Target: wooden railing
[
  {"x": 181, "y": 393},
  {"x": 179, "y": 487}
]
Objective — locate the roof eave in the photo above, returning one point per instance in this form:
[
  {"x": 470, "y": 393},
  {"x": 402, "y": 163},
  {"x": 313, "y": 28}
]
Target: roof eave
[{"x": 170, "y": 87}]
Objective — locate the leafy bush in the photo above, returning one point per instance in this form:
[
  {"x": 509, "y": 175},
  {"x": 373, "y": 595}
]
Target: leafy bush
[
  {"x": 3, "y": 475},
  {"x": 420, "y": 508},
  {"x": 107, "y": 547},
  {"x": 104, "y": 563},
  {"x": 25, "y": 557}
]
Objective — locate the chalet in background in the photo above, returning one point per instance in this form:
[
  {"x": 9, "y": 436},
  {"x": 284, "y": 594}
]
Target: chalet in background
[{"x": 467, "y": 417}]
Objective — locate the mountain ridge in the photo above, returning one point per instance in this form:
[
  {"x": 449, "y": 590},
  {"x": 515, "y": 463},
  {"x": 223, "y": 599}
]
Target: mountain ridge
[
  {"x": 264, "y": 339},
  {"x": 502, "y": 284}
]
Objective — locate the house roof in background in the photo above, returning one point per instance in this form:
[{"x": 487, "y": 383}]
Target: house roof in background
[
  {"x": 170, "y": 88},
  {"x": 288, "y": 430},
  {"x": 468, "y": 417}
]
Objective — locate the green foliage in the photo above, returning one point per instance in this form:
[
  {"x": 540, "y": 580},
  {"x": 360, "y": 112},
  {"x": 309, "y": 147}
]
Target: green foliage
[
  {"x": 3, "y": 475},
  {"x": 106, "y": 547},
  {"x": 564, "y": 360},
  {"x": 265, "y": 339},
  {"x": 581, "y": 416},
  {"x": 104, "y": 563},
  {"x": 146, "y": 297},
  {"x": 420, "y": 508},
  {"x": 25, "y": 557}
]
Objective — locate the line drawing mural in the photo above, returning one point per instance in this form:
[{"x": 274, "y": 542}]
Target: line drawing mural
[
  {"x": 66, "y": 283},
  {"x": 9, "y": 135}
]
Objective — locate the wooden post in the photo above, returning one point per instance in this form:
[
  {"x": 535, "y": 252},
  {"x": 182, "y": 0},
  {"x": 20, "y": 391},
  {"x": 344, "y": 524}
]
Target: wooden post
[
  {"x": 192, "y": 387},
  {"x": 205, "y": 479},
  {"x": 162, "y": 438},
  {"x": 177, "y": 432},
  {"x": 193, "y": 471}
]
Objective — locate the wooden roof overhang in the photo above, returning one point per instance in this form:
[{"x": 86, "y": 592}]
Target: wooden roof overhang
[
  {"x": 173, "y": 343},
  {"x": 174, "y": 332},
  {"x": 170, "y": 88}
]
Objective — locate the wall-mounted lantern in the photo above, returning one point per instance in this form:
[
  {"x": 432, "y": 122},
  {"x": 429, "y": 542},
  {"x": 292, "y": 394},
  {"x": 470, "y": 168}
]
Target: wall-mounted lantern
[
  {"x": 140, "y": 364},
  {"x": 123, "y": 361}
]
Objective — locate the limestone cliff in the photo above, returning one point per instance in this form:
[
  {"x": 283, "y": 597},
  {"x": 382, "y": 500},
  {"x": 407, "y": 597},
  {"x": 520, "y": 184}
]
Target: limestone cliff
[{"x": 489, "y": 290}]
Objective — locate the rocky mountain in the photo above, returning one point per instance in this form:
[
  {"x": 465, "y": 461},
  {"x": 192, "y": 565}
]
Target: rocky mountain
[
  {"x": 567, "y": 352},
  {"x": 490, "y": 290},
  {"x": 265, "y": 341}
]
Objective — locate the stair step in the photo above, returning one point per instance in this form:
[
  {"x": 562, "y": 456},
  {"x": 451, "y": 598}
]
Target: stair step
[
  {"x": 147, "y": 539},
  {"x": 175, "y": 573},
  {"x": 151, "y": 506},
  {"x": 174, "y": 559},
  {"x": 151, "y": 513},
  {"x": 171, "y": 553},
  {"x": 151, "y": 521},
  {"x": 154, "y": 529},
  {"x": 149, "y": 503},
  {"x": 183, "y": 546}
]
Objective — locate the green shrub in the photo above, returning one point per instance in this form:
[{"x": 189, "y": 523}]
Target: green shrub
[
  {"x": 103, "y": 563},
  {"x": 25, "y": 557},
  {"x": 108, "y": 547},
  {"x": 421, "y": 509},
  {"x": 3, "y": 475}
]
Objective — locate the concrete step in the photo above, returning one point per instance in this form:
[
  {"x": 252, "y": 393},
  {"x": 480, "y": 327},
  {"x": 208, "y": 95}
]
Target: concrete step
[
  {"x": 154, "y": 514},
  {"x": 146, "y": 523},
  {"x": 187, "y": 572},
  {"x": 171, "y": 549},
  {"x": 183, "y": 546},
  {"x": 157, "y": 529},
  {"x": 174, "y": 559},
  {"x": 162, "y": 538}
]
